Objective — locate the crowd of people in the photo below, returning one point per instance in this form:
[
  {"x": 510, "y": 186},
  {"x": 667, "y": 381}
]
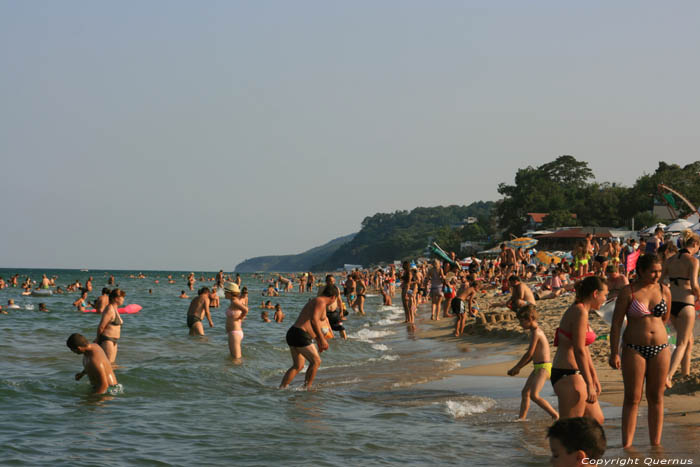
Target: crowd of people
[{"x": 662, "y": 287}]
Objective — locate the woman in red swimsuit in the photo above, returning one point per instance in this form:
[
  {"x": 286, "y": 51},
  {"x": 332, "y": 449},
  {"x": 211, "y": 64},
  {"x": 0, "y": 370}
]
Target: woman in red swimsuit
[{"x": 574, "y": 378}]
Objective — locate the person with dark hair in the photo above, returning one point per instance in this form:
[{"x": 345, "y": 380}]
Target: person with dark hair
[
  {"x": 576, "y": 441},
  {"x": 305, "y": 329},
  {"x": 95, "y": 363},
  {"x": 110, "y": 328},
  {"x": 521, "y": 294},
  {"x": 103, "y": 300},
  {"x": 682, "y": 273},
  {"x": 199, "y": 308},
  {"x": 574, "y": 378},
  {"x": 81, "y": 304},
  {"x": 645, "y": 352}
]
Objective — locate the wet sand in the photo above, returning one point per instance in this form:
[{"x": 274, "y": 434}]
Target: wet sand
[{"x": 500, "y": 341}]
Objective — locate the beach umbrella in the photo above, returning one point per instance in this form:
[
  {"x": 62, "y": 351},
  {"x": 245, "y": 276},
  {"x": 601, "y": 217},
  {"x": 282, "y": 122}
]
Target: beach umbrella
[
  {"x": 679, "y": 225},
  {"x": 522, "y": 242},
  {"x": 545, "y": 257}
]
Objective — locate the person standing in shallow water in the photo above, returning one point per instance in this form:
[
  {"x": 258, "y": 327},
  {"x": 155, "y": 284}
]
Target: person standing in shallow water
[
  {"x": 198, "y": 310},
  {"x": 305, "y": 329},
  {"x": 645, "y": 353},
  {"x": 235, "y": 314},
  {"x": 110, "y": 328},
  {"x": 96, "y": 365}
]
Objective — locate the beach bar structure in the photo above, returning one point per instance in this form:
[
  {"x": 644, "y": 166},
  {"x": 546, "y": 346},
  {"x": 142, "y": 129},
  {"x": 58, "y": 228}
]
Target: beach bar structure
[{"x": 566, "y": 239}]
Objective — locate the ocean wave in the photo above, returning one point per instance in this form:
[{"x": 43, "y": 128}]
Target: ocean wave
[
  {"x": 389, "y": 358},
  {"x": 381, "y": 347},
  {"x": 387, "y": 321},
  {"x": 460, "y": 409},
  {"x": 365, "y": 334}
]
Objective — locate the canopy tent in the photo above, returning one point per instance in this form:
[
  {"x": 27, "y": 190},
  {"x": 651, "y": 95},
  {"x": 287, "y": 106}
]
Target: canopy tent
[{"x": 679, "y": 225}]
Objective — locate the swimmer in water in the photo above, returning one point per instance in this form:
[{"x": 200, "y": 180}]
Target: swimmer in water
[
  {"x": 279, "y": 315},
  {"x": 183, "y": 294},
  {"x": 264, "y": 316},
  {"x": 96, "y": 365}
]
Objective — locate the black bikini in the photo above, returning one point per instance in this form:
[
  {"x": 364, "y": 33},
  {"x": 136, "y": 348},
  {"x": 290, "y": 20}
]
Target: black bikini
[{"x": 676, "y": 307}]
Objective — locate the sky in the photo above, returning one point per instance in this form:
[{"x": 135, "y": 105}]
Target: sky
[{"x": 193, "y": 135}]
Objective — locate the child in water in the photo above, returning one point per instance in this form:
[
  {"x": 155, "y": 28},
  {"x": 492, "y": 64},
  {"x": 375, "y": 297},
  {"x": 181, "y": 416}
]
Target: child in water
[
  {"x": 264, "y": 316},
  {"x": 538, "y": 352},
  {"x": 576, "y": 441}
]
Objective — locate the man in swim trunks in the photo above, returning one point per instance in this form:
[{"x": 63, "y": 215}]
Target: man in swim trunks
[
  {"x": 616, "y": 281},
  {"x": 507, "y": 259},
  {"x": 199, "y": 308},
  {"x": 95, "y": 363},
  {"x": 521, "y": 295},
  {"x": 306, "y": 328}
]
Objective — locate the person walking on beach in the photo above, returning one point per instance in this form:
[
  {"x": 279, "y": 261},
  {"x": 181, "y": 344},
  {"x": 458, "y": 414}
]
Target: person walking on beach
[
  {"x": 199, "y": 308},
  {"x": 235, "y": 314},
  {"x": 574, "y": 378},
  {"x": 110, "y": 328},
  {"x": 436, "y": 277},
  {"x": 305, "y": 329},
  {"x": 645, "y": 353},
  {"x": 538, "y": 353},
  {"x": 96, "y": 365},
  {"x": 507, "y": 259},
  {"x": 682, "y": 272},
  {"x": 462, "y": 304}
]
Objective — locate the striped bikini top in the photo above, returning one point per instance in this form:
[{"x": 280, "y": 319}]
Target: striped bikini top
[{"x": 640, "y": 310}]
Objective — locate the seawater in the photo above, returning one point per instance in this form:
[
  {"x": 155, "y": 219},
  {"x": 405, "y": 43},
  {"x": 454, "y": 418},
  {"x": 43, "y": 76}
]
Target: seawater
[{"x": 380, "y": 398}]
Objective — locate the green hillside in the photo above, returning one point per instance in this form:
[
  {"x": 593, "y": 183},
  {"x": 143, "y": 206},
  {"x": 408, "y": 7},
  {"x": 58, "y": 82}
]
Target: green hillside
[{"x": 403, "y": 234}]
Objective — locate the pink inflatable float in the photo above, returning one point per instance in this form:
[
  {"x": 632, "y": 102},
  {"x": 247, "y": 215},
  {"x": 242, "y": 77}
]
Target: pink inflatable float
[{"x": 127, "y": 310}]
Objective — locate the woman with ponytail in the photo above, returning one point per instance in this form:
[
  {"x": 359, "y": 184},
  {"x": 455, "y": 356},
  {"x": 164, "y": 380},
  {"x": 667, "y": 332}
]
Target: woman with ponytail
[
  {"x": 574, "y": 378},
  {"x": 681, "y": 270}
]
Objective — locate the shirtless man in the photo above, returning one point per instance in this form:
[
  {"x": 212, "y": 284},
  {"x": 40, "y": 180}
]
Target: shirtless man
[
  {"x": 279, "y": 315},
  {"x": 95, "y": 363},
  {"x": 88, "y": 284},
  {"x": 310, "y": 282},
  {"x": 190, "y": 281},
  {"x": 521, "y": 295},
  {"x": 199, "y": 308},
  {"x": 616, "y": 281},
  {"x": 103, "y": 300},
  {"x": 306, "y": 328},
  {"x": 350, "y": 290},
  {"x": 605, "y": 254},
  {"x": 45, "y": 283},
  {"x": 220, "y": 278},
  {"x": 507, "y": 259}
]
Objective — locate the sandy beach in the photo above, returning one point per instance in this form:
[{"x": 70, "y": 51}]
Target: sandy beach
[{"x": 682, "y": 406}]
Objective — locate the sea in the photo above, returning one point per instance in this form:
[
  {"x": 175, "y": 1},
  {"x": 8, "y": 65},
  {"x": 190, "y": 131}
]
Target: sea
[{"x": 385, "y": 396}]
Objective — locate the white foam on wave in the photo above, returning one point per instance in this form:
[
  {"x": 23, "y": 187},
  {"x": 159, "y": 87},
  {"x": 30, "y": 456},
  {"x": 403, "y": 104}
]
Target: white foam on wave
[
  {"x": 381, "y": 347},
  {"x": 389, "y": 358},
  {"x": 460, "y": 409},
  {"x": 391, "y": 308},
  {"x": 365, "y": 334},
  {"x": 387, "y": 321}
]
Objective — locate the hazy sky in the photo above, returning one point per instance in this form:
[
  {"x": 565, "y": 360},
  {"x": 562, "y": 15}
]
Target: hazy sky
[{"x": 193, "y": 135}]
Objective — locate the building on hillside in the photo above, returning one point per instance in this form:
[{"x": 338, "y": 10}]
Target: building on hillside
[{"x": 536, "y": 219}]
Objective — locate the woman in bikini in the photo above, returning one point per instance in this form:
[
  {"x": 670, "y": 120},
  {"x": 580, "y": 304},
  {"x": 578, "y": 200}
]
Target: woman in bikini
[
  {"x": 405, "y": 294},
  {"x": 361, "y": 289},
  {"x": 436, "y": 277},
  {"x": 645, "y": 352},
  {"x": 574, "y": 378},
  {"x": 682, "y": 273},
  {"x": 110, "y": 328},
  {"x": 235, "y": 314}
]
